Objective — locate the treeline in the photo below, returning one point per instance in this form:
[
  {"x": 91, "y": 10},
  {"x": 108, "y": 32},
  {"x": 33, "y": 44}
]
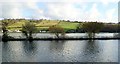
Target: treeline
[
  {"x": 29, "y": 28},
  {"x": 108, "y": 27},
  {"x": 111, "y": 28}
]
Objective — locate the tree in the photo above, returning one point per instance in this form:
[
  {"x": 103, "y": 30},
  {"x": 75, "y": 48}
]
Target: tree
[
  {"x": 119, "y": 27},
  {"x": 28, "y": 29},
  {"x": 92, "y": 27},
  {"x": 4, "y": 29},
  {"x": 57, "y": 30}
]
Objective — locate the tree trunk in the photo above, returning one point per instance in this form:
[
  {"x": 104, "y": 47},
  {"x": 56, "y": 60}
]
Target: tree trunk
[
  {"x": 57, "y": 35},
  {"x": 30, "y": 35},
  {"x": 90, "y": 35},
  {"x": 93, "y": 35}
]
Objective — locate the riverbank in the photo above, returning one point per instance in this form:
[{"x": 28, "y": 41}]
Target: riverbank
[{"x": 22, "y": 39}]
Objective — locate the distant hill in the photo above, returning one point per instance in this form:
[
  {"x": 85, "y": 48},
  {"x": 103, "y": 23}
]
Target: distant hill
[
  {"x": 42, "y": 24},
  {"x": 69, "y": 26}
]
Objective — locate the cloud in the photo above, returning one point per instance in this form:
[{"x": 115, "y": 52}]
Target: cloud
[
  {"x": 94, "y": 14},
  {"x": 15, "y": 13},
  {"x": 38, "y": 13},
  {"x": 110, "y": 15},
  {"x": 33, "y": 5},
  {"x": 104, "y": 1},
  {"x": 15, "y": 9},
  {"x": 0, "y": 11},
  {"x": 11, "y": 10},
  {"x": 64, "y": 9}
]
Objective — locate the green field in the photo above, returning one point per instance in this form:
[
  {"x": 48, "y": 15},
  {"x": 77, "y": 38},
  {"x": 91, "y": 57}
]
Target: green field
[
  {"x": 47, "y": 23},
  {"x": 17, "y": 24},
  {"x": 44, "y": 24},
  {"x": 68, "y": 25}
]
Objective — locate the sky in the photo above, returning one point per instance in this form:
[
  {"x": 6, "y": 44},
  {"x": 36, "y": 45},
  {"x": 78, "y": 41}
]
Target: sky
[{"x": 74, "y": 10}]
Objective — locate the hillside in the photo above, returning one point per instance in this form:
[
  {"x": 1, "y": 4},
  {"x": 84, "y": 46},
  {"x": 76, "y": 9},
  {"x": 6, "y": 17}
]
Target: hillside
[
  {"x": 69, "y": 26},
  {"x": 43, "y": 24}
]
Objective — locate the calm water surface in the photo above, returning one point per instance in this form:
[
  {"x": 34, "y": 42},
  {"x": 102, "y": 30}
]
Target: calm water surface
[{"x": 60, "y": 51}]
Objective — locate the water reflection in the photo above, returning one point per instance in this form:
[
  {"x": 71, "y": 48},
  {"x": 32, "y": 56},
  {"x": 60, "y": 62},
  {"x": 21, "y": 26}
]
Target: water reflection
[
  {"x": 4, "y": 47},
  {"x": 90, "y": 50},
  {"x": 91, "y": 46},
  {"x": 119, "y": 50},
  {"x": 29, "y": 47},
  {"x": 0, "y": 51},
  {"x": 77, "y": 35},
  {"x": 60, "y": 51},
  {"x": 57, "y": 46},
  {"x": 30, "y": 50},
  {"x": 56, "y": 49},
  {"x": 13, "y": 51}
]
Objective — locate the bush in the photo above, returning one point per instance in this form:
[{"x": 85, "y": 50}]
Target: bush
[
  {"x": 92, "y": 27},
  {"x": 29, "y": 29},
  {"x": 57, "y": 30}
]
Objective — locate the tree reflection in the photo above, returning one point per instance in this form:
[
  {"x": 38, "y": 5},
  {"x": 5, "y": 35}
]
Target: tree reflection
[
  {"x": 5, "y": 51},
  {"x": 91, "y": 47},
  {"x": 90, "y": 51},
  {"x": 29, "y": 47},
  {"x": 57, "y": 45},
  {"x": 12, "y": 51},
  {"x": 5, "y": 46}
]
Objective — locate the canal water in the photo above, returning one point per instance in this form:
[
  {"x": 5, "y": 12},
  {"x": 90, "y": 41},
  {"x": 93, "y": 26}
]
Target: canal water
[{"x": 60, "y": 51}]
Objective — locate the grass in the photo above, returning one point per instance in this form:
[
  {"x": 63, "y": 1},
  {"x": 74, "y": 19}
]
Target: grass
[
  {"x": 17, "y": 24},
  {"x": 47, "y": 23},
  {"x": 44, "y": 24},
  {"x": 68, "y": 25},
  {"x": 42, "y": 28},
  {"x": 13, "y": 29}
]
